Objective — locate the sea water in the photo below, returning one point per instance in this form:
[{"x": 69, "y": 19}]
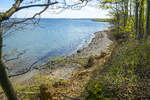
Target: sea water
[{"x": 50, "y": 38}]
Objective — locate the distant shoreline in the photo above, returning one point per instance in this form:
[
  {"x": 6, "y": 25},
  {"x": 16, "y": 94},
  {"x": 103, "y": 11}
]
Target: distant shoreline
[
  {"x": 103, "y": 20},
  {"x": 63, "y": 18}
]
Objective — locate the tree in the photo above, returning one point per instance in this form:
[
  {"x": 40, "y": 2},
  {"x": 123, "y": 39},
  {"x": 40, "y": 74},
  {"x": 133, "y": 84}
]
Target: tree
[
  {"x": 4, "y": 79},
  {"x": 141, "y": 20},
  {"x": 147, "y": 20},
  {"x": 126, "y": 6},
  {"x": 123, "y": 8},
  {"x": 136, "y": 17}
]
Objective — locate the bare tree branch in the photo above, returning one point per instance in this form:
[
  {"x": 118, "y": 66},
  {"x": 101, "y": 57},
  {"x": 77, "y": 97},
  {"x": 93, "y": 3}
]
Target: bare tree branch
[
  {"x": 10, "y": 25},
  {"x": 15, "y": 8},
  {"x": 37, "y": 5},
  {"x": 11, "y": 11},
  {"x": 76, "y": 6},
  {"x": 15, "y": 58},
  {"x": 26, "y": 71}
]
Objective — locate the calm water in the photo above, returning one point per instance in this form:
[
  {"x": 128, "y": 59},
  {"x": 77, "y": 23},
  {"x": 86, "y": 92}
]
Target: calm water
[{"x": 52, "y": 37}]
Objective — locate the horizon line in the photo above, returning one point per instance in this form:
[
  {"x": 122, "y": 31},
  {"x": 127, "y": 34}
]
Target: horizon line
[{"x": 62, "y": 18}]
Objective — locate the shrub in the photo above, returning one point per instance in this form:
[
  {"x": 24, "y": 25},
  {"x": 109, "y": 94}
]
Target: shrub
[
  {"x": 95, "y": 91},
  {"x": 123, "y": 32}
]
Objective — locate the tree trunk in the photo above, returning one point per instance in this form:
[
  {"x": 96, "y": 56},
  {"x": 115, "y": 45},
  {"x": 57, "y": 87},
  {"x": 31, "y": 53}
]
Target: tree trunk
[
  {"x": 117, "y": 18},
  {"x": 4, "y": 80},
  {"x": 136, "y": 17},
  {"x": 147, "y": 20},
  {"x": 130, "y": 8},
  {"x": 141, "y": 20},
  {"x": 126, "y": 12}
]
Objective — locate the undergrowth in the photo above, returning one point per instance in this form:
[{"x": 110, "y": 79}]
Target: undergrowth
[{"x": 127, "y": 75}]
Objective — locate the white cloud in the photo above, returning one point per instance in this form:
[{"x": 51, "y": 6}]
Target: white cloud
[
  {"x": 85, "y": 12},
  {"x": 89, "y": 11}
]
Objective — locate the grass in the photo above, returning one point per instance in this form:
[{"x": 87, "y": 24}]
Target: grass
[{"x": 31, "y": 88}]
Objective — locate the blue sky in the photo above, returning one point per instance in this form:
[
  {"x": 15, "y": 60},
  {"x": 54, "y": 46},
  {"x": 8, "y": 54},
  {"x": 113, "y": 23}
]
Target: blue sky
[
  {"x": 91, "y": 10},
  {"x": 5, "y": 3}
]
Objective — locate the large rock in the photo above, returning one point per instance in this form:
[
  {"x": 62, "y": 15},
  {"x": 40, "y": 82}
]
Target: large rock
[{"x": 52, "y": 92}]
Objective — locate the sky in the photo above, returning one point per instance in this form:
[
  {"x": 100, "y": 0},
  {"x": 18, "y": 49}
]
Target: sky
[{"x": 91, "y": 10}]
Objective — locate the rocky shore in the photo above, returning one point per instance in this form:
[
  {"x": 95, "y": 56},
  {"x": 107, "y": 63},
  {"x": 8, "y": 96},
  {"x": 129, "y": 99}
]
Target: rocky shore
[
  {"x": 72, "y": 67},
  {"x": 99, "y": 44},
  {"x": 63, "y": 69}
]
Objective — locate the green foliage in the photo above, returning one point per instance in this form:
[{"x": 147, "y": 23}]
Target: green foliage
[
  {"x": 129, "y": 28},
  {"x": 125, "y": 19},
  {"x": 125, "y": 31},
  {"x": 95, "y": 91}
]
